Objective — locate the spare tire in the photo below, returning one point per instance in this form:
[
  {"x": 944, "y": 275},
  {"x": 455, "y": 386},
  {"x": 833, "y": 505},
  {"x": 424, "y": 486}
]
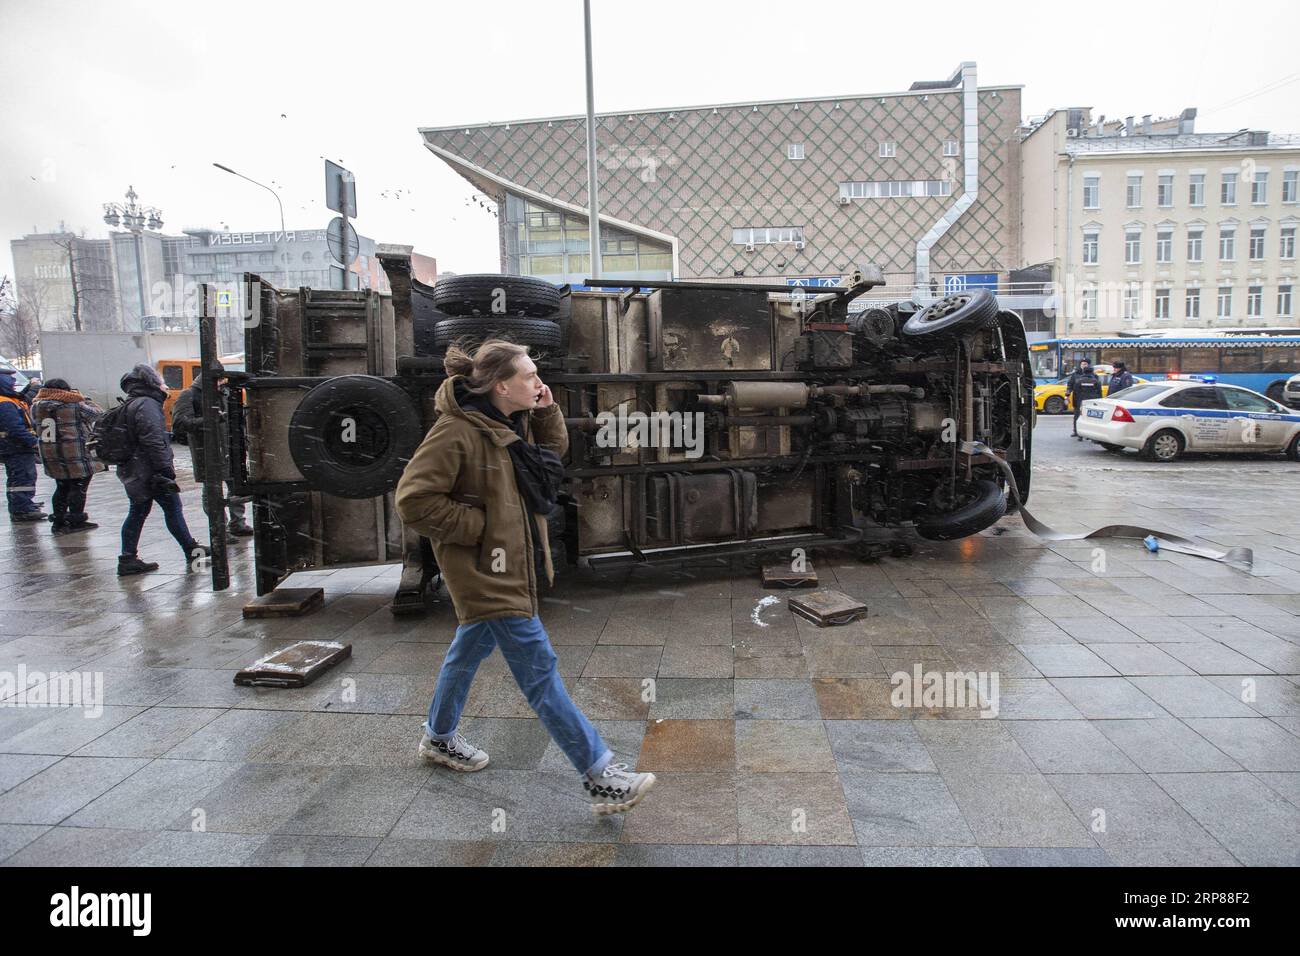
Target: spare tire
[
  {"x": 539, "y": 333},
  {"x": 955, "y": 315},
  {"x": 351, "y": 436},
  {"x": 986, "y": 505},
  {"x": 496, "y": 295}
]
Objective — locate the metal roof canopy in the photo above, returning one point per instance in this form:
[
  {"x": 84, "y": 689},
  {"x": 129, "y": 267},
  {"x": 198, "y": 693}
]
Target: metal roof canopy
[{"x": 1264, "y": 341}]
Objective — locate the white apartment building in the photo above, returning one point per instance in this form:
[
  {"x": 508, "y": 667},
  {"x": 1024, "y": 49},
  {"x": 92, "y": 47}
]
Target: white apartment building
[{"x": 1151, "y": 225}]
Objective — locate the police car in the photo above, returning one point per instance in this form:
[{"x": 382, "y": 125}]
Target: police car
[{"x": 1164, "y": 419}]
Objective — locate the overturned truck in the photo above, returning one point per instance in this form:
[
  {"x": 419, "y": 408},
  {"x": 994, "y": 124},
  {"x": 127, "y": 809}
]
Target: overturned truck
[{"x": 705, "y": 419}]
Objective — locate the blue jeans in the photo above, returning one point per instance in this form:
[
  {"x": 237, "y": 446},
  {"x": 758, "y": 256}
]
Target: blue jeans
[
  {"x": 21, "y": 482},
  {"x": 528, "y": 652},
  {"x": 174, "y": 514}
]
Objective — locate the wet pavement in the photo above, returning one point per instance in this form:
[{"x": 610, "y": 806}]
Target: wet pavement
[{"x": 1146, "y": 709}]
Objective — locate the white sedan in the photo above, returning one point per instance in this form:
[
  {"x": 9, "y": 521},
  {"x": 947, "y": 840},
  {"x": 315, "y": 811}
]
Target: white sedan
[{"x": 1164, "y": 419}]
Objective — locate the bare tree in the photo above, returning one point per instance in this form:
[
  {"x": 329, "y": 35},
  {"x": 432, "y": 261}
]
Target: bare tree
[{"x": 20, "y": 329}]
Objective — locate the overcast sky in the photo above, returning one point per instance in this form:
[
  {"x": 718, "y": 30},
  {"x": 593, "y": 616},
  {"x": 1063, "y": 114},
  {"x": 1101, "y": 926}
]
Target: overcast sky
[{"x": 96, "y": 96}]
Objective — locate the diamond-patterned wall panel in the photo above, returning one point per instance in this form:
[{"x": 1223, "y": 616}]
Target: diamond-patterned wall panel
[{"x": 698, "y": 174}]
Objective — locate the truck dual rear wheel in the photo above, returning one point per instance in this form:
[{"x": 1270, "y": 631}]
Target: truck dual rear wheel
[{"x": 488, "y": 295}]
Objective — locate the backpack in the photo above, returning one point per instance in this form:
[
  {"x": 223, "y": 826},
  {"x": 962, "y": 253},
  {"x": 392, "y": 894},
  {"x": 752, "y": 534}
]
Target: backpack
[{"x": 111, "y": 438}]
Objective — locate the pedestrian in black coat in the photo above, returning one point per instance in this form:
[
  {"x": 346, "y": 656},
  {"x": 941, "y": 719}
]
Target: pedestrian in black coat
[
  {"x": 149, "y": 475},
  {"x": 1082, "y": 386}
]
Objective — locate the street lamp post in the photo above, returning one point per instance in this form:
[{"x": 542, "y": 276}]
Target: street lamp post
[
  {"x": 256, "y": 183},
  {"x": 136, "y": 219},
  {"x": 593, "y": 202}
]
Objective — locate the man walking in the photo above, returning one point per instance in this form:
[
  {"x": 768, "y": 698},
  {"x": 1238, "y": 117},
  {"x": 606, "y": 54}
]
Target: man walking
[
  {"x": 1082, "y": 386},
  {"x": 480, "y": 489},
  {"x": 18, "y": 450},
  {"x": 149, "y": 475},
  {"x": 65, "y": 420}
]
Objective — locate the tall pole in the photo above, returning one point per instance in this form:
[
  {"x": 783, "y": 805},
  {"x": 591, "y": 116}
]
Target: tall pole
[
  {"x": 343, "y": 214},
  {"x": 139, "y": 275},
  {"x": 593, "y": 203}
]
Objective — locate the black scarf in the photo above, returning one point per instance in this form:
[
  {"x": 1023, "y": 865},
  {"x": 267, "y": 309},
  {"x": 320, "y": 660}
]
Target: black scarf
[{"x": 538, "y": 471}]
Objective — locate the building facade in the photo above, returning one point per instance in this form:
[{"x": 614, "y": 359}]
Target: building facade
[
  {"x": 924, "y": 183},
  {"x": 1152, "y": 225},
  {"x": 160, "y": 291},
  {"x": 60, "y": 276}
]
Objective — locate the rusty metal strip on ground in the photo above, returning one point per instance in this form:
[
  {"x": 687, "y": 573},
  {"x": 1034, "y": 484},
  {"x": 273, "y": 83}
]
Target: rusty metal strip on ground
[{"x": 1241, "y": 558}]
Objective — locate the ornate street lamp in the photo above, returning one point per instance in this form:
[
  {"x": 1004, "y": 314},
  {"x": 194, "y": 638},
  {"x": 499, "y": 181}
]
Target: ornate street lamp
[{"x": 135, "y": 218}]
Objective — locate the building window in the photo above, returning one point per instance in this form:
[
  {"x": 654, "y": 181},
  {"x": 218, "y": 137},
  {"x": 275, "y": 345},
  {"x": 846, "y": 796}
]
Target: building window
[
  {"x": 794, "y": 151},
  {"x": 887, "y": 150},
  {"x": 1257, "y": 242},
  {"x": 767, "y": 235},
  {"x": 950, "y": 147},
  {"x": 1133, "y": 302},
  {"x": 894, "y": 189},
  {"x": 1132, "y": 247},
  {"x": 1259, "y": 188},
  {"x": 1225, "y": 301},
  {"x": 1090, "y": 248},
  {"x": 1134, "y": 192},
  {"x": 1289, "y": 182},
  {"x": 1091, "y": 192},
  {"x": 1165, "y": 191},
  {"x": 1162, "y": 304},
  {"x": 1286, "y": 248},
  {"x": 1164, "y": 246},
  {"x": 1195, "y": 242},
  {"x": 1227, "y": 243},
  {"x": 1088, "y": 307},
  {"x": 1196, "y": 190},
  {"x": 1284, "y": 300},
  {"x": 1228, "y": 189},
  {"x": 1193, "y": 304},
  {"x": 1255, "y": 301}
]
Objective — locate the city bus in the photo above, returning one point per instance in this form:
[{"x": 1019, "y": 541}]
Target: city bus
[{"x": 1259, "y": 362}]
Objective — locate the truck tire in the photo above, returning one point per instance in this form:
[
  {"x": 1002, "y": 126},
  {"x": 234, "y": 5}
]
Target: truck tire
[
  {"x": 486, "y": 294},
  {"x": 985, "y": 508},
  {"x": 955, "y": 315},
  {"x": 351, "y": 436},
  {"x": 540, "y": 333}
]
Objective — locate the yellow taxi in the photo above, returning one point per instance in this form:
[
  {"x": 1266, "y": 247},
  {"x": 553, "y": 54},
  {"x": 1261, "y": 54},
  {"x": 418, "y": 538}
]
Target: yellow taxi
[{"x": 1052, "y": 400}]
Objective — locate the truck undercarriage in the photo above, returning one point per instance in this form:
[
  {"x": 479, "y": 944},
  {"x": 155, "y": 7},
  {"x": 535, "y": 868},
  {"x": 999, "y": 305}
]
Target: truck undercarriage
[{"x": 704, "y": 419}]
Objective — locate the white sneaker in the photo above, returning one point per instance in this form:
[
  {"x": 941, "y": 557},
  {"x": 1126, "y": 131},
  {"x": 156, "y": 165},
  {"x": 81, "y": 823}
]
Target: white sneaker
[
  {"x": 457, "y": 753},
  {"x": 616, "y": 790}
]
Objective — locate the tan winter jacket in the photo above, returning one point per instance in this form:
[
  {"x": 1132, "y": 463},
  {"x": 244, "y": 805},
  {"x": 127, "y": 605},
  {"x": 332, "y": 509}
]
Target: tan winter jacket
[{"x": 459, "y": 491}]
